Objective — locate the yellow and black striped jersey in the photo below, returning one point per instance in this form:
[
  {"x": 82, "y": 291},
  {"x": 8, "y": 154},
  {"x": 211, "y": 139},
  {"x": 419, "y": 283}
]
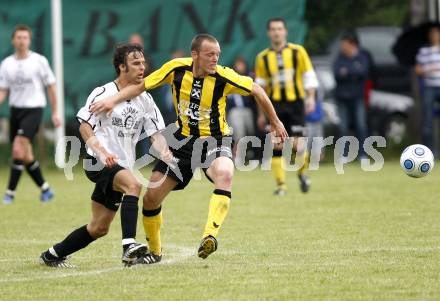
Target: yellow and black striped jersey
[
  {"x": 285, "y": 74},
  {"x": 200, "y": 103}
]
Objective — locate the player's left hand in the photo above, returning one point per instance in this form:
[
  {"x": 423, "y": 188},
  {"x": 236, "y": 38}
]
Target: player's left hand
[
  {"x": 279, "y": 131},
  {"x": 105, "y": 105},
  {"x": 109, "y": 160},
  {"x": 56, "y": 120},
  {"x": 309, "y": 105}
]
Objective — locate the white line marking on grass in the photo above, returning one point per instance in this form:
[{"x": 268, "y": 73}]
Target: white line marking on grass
[
  {"x": 370, "y": 250},
  {"x": 182, "y": 253},
  {"x": 46, "y": 275},
  {"x": 339, "y": 251},
  {"x": 25, "y": 241}
]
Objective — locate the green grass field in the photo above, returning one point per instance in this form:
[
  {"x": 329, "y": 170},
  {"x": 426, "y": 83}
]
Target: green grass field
[{"x": 357, "y": 236}]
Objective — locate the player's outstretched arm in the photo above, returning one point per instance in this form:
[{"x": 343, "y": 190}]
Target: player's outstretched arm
[
  {"x": 89, "y": 137},
  {"x": 309, "y": 101},
  {"x": 265, "y": 104},
  {"x": 52, "y": 93},
  {"x": 3, "y": 93},
  {"x": 108, "y": 103},
  {"x": 160, "y": 145}
]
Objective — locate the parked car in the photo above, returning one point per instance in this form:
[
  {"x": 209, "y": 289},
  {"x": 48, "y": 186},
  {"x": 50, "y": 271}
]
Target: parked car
[{"x": 389, "y": 101}]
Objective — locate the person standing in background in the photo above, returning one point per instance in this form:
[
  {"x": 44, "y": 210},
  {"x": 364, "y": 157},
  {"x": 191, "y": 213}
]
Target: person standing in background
[
  {"x": 351, "y": 69},
  {"x": 240, "y": 110},
  {"x": 24, "y": 75},
  {"x": 315, "y": 129},
  {"x": 428, "y": 67}
]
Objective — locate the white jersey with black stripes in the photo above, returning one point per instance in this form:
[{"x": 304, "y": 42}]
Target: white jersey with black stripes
[{"x": 119, "y": 132}]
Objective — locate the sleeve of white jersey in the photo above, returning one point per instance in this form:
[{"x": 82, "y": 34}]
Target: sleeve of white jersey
[
  {"x": 4, "y": 83},
  {"x": 46, "y": 73},
  {"x": 84, "y": 114},
  {"x": 310, "y": 80},
  {"x": 154, "y": 121}
]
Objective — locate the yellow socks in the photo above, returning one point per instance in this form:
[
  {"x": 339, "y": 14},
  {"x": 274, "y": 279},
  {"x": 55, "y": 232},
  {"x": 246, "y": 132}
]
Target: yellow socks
[
  {"x": 305, "y": 166},
  {"x": 279, "y": 172},
  {"x": 152, "y": 221},
  {"x": 218, "y": 209}
]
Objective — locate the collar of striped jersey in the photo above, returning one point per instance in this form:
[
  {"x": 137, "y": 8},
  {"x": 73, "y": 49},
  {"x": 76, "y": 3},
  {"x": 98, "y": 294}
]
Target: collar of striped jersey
[{"x": 285, "y": 46}]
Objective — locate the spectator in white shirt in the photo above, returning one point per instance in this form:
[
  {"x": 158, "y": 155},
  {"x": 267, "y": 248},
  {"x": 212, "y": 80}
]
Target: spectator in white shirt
[{"x": 428, "y": 67}]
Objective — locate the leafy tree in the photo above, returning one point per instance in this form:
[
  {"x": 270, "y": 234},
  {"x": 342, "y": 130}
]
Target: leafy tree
[{"x": 327, "y": 18}]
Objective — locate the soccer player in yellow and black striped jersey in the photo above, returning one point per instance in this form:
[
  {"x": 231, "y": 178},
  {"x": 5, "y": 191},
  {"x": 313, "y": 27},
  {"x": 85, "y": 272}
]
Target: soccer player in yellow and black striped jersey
[
  {"x": 286, "y": 73},
  {"x": 199, "y": 87}
]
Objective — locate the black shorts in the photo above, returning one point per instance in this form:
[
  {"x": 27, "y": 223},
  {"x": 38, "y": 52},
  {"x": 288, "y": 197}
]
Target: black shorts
[
  {"x": 25, "y": 122},
  {"x": 103, "y": 192},
  {"x": 292, "y": 115},
  {"x": 197, "y": 152}
]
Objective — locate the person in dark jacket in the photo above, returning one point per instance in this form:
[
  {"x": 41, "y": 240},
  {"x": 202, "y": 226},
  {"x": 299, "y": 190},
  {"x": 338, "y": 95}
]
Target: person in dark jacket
[{"x": 351, "y": 69}]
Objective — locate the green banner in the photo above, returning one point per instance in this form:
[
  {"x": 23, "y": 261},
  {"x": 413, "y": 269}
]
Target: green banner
[{"x": 91, "y": 29}]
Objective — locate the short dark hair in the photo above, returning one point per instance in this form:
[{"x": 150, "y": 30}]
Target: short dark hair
[
  {"x": 121, "y": 53},
  {"x": 276, "y": 20},
  {"x": 351, "y": 37},
  {"x": 197, "y": 41},
  {"x": 21, "y": 27}
]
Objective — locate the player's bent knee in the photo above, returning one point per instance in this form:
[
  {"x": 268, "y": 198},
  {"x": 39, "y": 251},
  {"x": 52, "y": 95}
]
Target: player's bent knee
[
  {"x": 99, "y": 231},
  {"x": 151, "y": 199},
  {"x": 28, "y": 158},
  {"x": 134, "y": 188},
  {"x": 18, "y": 153},
  {"x": 19, "y": 148},
  {"x": 224, "y": 176}
]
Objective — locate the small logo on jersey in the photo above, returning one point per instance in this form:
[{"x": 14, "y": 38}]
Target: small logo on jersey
[
  {"x": 129, "y": 122},
  {"x": 130, "y": 115},
  {"x": 197, "y": 83},
  {"x": 195, "y": 93},
  {"x": 129, "y": 111},
  {"x": 215, "y": 225}
]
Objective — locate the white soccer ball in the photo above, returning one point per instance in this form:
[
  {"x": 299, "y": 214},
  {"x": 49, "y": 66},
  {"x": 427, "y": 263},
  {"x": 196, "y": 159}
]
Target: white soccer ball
[{"x": 417, "y": 160}]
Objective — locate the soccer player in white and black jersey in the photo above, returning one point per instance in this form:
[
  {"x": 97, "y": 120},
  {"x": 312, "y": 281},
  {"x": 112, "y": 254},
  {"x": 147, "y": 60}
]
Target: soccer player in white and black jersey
[
  {"x": 111, "y": 141},
  {"x": 24, "y": 75}
]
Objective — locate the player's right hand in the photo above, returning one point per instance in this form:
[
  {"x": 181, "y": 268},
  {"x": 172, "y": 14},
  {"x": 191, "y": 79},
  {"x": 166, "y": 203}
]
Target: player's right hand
[
  {"x": 166, "y": 156},
  {"x": 279, "y": 131},
  {"x": 56, "y": 120}
]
